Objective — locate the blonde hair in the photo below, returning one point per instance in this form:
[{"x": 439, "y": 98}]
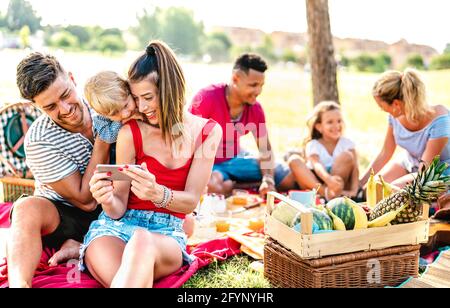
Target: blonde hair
[
  {"x": 406, "y": 87},
  {"x": 159, "y": 64},
  {"x": 106, "y": 92},
  {"x": 316, "y": 118}
]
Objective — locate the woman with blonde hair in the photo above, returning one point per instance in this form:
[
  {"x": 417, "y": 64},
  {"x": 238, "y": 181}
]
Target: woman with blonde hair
[
  {"x": 140, "y": 230},
  {"x": 422, "y": 130}
]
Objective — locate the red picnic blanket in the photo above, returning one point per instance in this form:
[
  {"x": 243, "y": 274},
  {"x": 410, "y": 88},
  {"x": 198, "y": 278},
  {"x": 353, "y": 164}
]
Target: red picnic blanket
[{"x": 67, "y": 275}]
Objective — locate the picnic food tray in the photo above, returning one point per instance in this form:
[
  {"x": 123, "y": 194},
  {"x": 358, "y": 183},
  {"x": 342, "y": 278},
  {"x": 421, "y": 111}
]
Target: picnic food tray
[{"x": 310, "y": 246}]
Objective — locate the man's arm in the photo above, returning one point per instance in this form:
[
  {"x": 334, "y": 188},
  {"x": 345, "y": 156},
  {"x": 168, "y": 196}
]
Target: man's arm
[
  {"x": 75, "y": 187},
  {"x": 267, "y": 165}
]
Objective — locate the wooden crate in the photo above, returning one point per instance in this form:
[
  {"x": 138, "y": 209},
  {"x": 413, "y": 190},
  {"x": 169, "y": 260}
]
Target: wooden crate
[{"x": 310, "y": 246}]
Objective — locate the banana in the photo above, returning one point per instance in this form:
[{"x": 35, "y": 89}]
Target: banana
[
  {"x": 371, "y": 191},
  {"x": 337, "y": 222},
  {"x": 360, "y": 214},
  {"x": 387, "y": 188},
  {"x": 385, "y": 219}
]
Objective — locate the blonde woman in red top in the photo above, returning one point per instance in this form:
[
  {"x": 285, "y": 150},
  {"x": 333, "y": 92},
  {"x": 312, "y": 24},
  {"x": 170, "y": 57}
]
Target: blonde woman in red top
[{"x": 139, "y": 236}]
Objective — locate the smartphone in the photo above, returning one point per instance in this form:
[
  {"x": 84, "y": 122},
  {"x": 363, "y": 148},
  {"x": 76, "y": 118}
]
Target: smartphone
[{"x": 116, "y": 175}]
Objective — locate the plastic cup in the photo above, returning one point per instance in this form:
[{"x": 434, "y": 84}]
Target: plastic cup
[{"x": 307, "y": 198}]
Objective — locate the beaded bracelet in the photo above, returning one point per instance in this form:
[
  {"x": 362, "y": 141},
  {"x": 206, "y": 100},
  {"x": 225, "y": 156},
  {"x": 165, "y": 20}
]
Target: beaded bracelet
[
  {"x": 167, "y": 198},
  {"x": 171, "y": 198}
]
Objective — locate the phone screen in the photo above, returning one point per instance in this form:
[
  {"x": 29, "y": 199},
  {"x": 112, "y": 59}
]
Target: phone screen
[{"x": 116, "y": 175}]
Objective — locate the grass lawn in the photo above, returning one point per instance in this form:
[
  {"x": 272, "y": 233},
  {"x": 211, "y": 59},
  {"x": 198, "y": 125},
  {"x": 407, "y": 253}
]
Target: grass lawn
[
  {"x": 287, "y": 102},
  {"x": 233, "y": 273}
]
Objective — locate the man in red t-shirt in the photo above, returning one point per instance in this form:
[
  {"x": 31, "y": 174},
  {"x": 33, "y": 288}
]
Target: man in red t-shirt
[{"x": 235, "y": 108}]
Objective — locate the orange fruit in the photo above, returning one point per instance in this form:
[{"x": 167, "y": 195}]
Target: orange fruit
[{"x": 222, "y": 226}]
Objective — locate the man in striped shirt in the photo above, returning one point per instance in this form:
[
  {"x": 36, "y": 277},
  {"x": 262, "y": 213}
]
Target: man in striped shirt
[{"x": 62, "y": 154}]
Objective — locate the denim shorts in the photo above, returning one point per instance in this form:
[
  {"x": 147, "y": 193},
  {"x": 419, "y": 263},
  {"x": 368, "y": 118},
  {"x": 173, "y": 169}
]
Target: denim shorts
[
  {"x": 132, "y": 220},
  {"x": 245, "y": 168}
]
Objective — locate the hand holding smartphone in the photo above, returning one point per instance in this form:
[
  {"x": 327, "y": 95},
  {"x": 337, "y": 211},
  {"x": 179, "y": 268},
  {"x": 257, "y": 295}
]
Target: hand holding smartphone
[{"x": 116, "y": 175}]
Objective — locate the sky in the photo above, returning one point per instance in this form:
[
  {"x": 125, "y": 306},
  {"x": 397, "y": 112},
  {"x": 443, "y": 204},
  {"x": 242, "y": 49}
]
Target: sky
[{"x": 418, "y": 21}]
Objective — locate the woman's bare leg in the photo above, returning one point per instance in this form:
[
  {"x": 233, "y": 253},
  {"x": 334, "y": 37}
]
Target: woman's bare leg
[
  {"x": 343, "y": 166},
  {"x": 147, "y": 257},
  {"x": 303, "y": 176},
  {"x": 103, "y": 258}
]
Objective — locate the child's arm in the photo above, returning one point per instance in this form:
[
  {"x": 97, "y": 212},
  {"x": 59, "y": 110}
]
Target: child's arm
[
  {"x": 114, "y": 196},
  {"x": 106, "y": 129},
  {"x": 333, "y": 182}
]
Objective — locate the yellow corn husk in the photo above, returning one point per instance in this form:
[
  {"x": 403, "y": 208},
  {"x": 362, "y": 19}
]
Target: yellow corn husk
[
  {"x": 387, "y": 188},
  {"x": 386, "y": 219},
  {"x": 371, "y": 191}
]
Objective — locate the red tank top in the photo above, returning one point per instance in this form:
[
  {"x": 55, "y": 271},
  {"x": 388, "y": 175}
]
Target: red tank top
[{"x": 174, "y": 179}]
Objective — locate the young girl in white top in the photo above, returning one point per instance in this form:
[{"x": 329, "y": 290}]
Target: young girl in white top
[{"x": 331, "y": 159}]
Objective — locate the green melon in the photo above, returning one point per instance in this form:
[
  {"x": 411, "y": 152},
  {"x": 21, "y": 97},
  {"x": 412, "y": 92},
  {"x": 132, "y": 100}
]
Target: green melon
[
  {"x": 320, "y": 218},
  {"x": 344, "y": 211},
  {"x": 284, "y": 213}
]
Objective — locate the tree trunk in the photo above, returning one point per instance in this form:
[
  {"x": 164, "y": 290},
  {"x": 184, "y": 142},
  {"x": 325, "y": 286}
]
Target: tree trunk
[{"x": 321, "y": 51}]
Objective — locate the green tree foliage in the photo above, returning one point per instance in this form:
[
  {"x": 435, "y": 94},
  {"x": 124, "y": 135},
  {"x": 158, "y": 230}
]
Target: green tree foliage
[
  {"x": 236, "y": 51},
  {"x": 363, "y": 62},
  {"x": 216, "y": 50},
  {"x": 382, "y": 63},
  {"x": 384, "y": 59},
  {"x": 109, "y": 40},
  {"x": 111, "y": 43},
  {"x": 64, "y": 39},
  {"x": 3, "y": 23},
  {"x": 447, "y": 48},
  {"x": 218, "y": 46},
  {"x": 223, "y": 37},
  {"x": 291, "y": 56},
  {"x": 20, "y": 13},
  {"x": 25, "y": 36},
  {"x": 441, "y": 62},
  {"x": 86, "y": 38},
  {"x": 82, "y": 33},
  {"x": 49, "y": 30},
  {"x": 266, "y": 49},
  {"x": 149, "y": 27},
  {"x": 181, "y": 31},
  {"x": 370, "y": 63},
  {"x": 111, "y": 31},
  {"x": 416, "y": 61},
  {"x": 345, "y": 61}
]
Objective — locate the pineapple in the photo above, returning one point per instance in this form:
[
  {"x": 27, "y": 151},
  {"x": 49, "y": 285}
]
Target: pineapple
[{"x": 426, "y": 188}]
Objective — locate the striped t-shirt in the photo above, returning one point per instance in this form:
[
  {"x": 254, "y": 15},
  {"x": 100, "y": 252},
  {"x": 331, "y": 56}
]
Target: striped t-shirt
[{"x": 53, "y": 154}]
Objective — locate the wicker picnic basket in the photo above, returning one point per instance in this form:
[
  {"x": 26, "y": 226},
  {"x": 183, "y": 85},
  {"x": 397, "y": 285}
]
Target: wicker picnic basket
[
  {"x": 13, "y": 188},
  {"x": 15, "y": 177},
  {"x": 371, "y": 269}
]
